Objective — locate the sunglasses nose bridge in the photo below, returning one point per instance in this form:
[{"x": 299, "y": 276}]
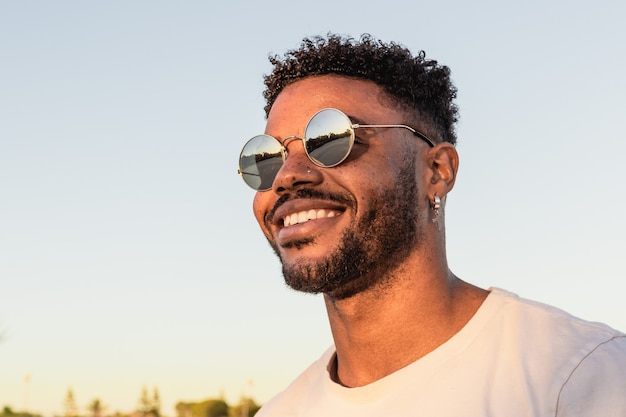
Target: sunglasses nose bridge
[
  {"x": 285, "y": 142},
  {"x": 296, "y": 169}
]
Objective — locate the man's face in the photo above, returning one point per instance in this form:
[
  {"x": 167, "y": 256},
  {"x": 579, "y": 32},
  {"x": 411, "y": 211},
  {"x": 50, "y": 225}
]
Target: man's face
[{"x": 348, "y": 227}]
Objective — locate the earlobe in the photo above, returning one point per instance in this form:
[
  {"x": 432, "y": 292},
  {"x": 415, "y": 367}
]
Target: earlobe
[{"x": 443, "y": 166}]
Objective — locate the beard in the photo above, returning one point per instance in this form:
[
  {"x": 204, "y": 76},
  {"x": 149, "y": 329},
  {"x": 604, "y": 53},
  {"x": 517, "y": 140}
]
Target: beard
[{"x": 368, "y": 253}]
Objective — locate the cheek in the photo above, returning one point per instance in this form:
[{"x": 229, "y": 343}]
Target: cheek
[
  {"x": 259, "y": 207},
  {"x": 382, "y": 173},
  {"x": 256, "y": 206}
]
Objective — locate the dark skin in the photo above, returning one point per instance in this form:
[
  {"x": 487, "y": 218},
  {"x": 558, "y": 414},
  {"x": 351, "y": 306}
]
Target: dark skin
[{"x": 410, "y": 306}]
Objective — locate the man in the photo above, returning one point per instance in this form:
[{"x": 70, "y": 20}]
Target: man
[{"x": 351, "y": 178}]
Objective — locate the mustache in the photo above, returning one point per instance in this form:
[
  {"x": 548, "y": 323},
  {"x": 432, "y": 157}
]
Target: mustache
[{"x": 310, "y": 193}]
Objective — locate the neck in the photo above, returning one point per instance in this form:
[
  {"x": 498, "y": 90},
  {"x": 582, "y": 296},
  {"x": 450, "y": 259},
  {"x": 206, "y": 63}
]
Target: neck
[{"x": 382, "y": 330}]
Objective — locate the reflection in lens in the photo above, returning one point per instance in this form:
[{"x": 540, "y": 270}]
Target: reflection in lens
[
  {"x": 329, "y": 137},
  {"x": 260, "y": 160}
]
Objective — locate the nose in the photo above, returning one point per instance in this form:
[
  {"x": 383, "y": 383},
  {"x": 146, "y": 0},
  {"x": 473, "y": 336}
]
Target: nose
[{"x": 297, "y": 170}]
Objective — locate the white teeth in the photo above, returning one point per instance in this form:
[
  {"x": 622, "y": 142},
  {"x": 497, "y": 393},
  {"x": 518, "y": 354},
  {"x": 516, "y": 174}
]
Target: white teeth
[{"x": 305, "y": 216}]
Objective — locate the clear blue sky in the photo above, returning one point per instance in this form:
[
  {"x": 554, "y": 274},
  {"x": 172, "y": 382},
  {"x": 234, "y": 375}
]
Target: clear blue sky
[{"x": 129, "y": 256}]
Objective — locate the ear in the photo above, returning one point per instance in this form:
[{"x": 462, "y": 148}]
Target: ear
[{"x": 443, "y": 164}]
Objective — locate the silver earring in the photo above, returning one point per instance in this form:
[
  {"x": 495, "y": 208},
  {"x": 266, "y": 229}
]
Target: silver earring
[{"x": 436, "y": 205}]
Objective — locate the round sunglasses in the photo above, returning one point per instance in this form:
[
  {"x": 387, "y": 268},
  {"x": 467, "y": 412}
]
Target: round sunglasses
[{"x": 328, "y": 140}]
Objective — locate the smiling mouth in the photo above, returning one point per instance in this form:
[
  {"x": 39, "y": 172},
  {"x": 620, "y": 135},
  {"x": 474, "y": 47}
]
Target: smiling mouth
[{"x": 306, "y": 215}]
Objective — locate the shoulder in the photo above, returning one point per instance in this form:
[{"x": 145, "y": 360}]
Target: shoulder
[
  {"x": 545, "y": 331},
  {"x": 585, "y": 362},
  {"x": 536, "y": 320},
  {"x": 597, "y": 385}
]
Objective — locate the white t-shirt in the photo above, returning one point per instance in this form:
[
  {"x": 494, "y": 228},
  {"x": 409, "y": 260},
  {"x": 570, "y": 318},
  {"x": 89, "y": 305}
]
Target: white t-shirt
[{"x": 513, "y": 358}]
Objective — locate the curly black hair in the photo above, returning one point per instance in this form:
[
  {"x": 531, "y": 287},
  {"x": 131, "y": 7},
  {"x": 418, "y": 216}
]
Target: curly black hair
[{"x": 415, "y": 83}]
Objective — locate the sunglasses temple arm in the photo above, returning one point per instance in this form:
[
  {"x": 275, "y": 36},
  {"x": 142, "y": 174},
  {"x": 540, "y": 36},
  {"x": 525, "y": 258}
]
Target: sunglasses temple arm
[
  {"x": 415, "y": 132},
  {"x": 424, "y": 138},
  {"x": 240, "y": 172}
]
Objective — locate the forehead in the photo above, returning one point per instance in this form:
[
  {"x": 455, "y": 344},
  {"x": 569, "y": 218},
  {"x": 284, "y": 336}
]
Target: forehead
[{"x": 299, "y": 101}]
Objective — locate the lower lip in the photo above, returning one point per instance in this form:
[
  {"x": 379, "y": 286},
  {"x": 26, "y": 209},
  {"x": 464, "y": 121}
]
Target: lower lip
[{"x": 306, "y": 230}]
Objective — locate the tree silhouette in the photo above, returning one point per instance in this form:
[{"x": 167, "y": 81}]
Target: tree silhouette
[
  {"x": 149, "y": 407},
  {"x": 217, "y": 408},
  {"x": 69, "y": 404},
  {"x": 156, "y": 402},
  {"x": 8, "y": 412},
  {"x": 247, "y": 407},
  {"x": 96, "y": 407}
]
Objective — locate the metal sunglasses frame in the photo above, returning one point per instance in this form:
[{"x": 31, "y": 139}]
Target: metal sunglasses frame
[{"x": 350, "y": 125}]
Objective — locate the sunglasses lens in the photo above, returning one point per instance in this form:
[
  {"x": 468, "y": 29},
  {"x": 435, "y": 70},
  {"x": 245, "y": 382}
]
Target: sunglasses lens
[
  {"x": 329, "y": 137},
  {"x": 259, "y": 162}
]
